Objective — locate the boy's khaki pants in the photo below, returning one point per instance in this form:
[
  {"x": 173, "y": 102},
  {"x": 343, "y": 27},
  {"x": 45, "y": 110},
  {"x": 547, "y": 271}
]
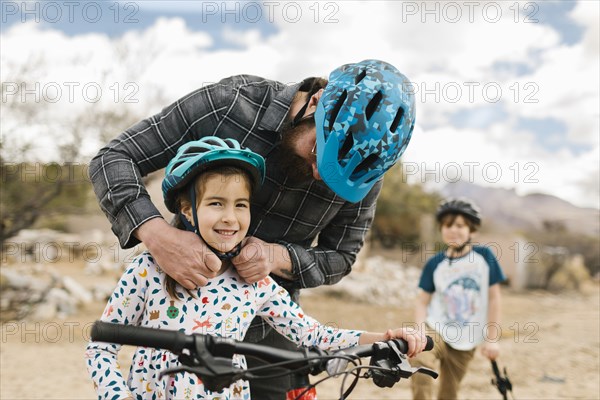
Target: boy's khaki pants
[{"x": 451, "y": 364}]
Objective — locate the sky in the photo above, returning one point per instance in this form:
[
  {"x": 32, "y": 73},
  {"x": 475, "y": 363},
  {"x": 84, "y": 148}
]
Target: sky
[{"x": 507, "y": 92}]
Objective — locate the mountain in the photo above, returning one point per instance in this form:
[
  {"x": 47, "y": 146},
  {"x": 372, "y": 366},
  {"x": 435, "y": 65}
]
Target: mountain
[{"x": 509, "y": 211}]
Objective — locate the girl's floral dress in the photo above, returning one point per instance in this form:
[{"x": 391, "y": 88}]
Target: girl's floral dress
[{"x": 224, "y": 307}]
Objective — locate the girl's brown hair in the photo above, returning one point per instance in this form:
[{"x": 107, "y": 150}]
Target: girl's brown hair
[{"x": 183, "y": 199}]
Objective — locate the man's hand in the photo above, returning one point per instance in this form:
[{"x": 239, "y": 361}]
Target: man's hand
[
  {"x": 181, "y": 254},
  {"x": 258, "y": 259}
]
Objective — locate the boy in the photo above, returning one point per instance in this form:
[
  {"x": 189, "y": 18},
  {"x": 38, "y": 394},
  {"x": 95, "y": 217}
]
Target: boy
[{"x": 458, "y": 301}]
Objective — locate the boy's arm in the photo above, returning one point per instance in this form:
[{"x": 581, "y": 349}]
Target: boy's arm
[
  {"x": 422, "y": 301},
  {"x": 490, "y": 348}
]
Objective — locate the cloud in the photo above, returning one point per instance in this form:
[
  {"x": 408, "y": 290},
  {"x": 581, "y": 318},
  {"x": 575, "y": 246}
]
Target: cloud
[{"x": 492, "y": 70}]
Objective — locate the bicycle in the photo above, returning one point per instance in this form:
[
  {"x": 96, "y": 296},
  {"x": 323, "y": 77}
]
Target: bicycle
[{"x": 210, "y": 358}]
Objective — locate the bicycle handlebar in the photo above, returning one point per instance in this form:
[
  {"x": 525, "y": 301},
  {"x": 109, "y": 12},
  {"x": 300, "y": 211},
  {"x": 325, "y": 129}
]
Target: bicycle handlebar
[
  {"x": 207, "y": 353},
  {"x": 176, "y": 341}
]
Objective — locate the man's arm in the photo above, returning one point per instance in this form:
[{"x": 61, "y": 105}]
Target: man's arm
[
  {"x": 339, "y": 243},
  {"x": 182, "y": 255},
  {"x": 116, "y": 171},
  {"x": 327, "y": 263},
  {"x": 116, "y": 174}
]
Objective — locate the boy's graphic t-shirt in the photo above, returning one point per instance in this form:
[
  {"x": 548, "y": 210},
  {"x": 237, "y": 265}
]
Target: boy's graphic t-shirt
[
  {"x": 458, "y": 310},
  {"x": 224, "y": 307}
]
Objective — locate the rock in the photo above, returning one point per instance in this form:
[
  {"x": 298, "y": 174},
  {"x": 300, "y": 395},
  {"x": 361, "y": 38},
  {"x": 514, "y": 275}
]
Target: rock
[
  {"x": 104, "y": 263},
  {"x": 571, "y": 275},
  {"x": 561, "y": 280},
  {"x": 43, "y": 311},
  {"x": 39, "y": 297},
  {"x": 15, "y": 280},
  {"x": 92, "y": 268},
  {"x": 379, "y": 281},
  {"x": 102, "y": 292},
  {"x": 76, "y": 290},
  {"x": 578, "y": 270},
  {"x": 42, "y": 245},
  {"x": 64, "y": 303}
]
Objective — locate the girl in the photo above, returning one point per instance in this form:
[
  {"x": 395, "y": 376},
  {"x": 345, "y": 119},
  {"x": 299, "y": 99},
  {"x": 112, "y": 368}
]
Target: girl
[
  {"x": 458, "y": 301},
  {"x": 208, "y": 185}
]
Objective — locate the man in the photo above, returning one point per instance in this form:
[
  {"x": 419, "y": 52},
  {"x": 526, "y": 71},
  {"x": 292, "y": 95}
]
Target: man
[{"x": 326, "y": 146}]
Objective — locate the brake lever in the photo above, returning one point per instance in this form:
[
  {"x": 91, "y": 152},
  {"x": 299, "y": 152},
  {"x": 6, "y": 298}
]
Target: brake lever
[
  {"x": 426, "y": 371},
  {"x": 394, "y": 365},
  {"x": 406, "y": 369},
  {"x": 337, "y": 365},
  {"x": 218, "y": 376}
]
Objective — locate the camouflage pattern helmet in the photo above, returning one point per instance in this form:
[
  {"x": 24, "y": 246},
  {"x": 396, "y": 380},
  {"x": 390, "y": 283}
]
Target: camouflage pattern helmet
[{"x": 364, "y": 121}]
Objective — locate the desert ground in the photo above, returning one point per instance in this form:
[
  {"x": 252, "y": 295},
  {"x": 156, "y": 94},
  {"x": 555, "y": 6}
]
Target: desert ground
[{"x": 550, "y": 346}]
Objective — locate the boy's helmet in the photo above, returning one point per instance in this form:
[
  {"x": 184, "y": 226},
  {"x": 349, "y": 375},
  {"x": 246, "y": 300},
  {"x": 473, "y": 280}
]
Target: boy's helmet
[
  {"x": 459, "y": 206},
  {"x": 198, "y": 156},
  {"x": 364, "y": 121}
]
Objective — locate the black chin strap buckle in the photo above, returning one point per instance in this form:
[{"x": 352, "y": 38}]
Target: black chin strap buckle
[{"x": 228, "y": 255}]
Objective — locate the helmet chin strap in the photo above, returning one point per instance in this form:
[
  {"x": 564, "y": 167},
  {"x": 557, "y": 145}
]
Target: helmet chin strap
[
  {"x": 458, "y": 250},
  {"x": 189, "y": 227},
  {"x": 300, "y": 114}
]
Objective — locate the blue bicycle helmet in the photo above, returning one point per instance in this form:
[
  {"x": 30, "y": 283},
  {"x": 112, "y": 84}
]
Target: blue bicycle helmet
[
  {"x": 364, "y": 121},
  {"x": 195, "y": 157},
  {"x": 201, "y": 155}
]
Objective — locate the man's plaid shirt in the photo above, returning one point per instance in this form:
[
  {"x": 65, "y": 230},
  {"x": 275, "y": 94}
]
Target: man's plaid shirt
[{"x": 253, "y": 111}]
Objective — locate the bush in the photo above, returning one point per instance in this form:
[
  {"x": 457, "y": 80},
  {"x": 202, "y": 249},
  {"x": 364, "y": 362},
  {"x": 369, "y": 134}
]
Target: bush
[{"x": 399, "y": 209}]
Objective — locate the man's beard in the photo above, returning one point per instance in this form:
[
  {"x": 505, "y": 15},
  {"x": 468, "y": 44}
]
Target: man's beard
[{"x": 297, "y": 169}]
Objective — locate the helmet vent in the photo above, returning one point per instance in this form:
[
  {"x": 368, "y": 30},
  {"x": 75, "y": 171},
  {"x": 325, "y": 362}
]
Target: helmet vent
[
  {"x": 360, "y": 76},
  {"x": 366, "y": 164},
  {"x": 336, "y": 109},
  {"x": 193, "y": 150},
  {"x": 397, "y": 119},
  {"x": 348, "y": 144},
  {"x": 372, "y": 106}
]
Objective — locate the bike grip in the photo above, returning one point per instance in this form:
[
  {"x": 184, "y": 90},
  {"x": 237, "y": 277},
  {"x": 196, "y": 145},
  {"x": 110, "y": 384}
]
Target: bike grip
[
  {"x": 132, "y": 335},
  {"x": 404, "y": 345},
  {"x": 429, "y": 345}
]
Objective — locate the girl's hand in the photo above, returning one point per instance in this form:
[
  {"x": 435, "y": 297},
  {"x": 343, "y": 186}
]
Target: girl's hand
[
  {"x": 416, "y": 339},
  {"x": 491, "y": 350}
]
